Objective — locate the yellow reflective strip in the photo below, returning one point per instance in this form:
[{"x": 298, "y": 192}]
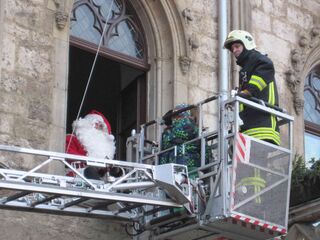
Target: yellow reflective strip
[
  {"x": 260, "y": 80},
  {"x": 252, "y": 181},
  {"x": 255, "y": 133},
  {"x": 261, "y": 130},
  {"x": 274, "y": 122},
  {"x": 258, "y": 200},
  {"x": 256, "y": 84},
  {"x": 257, "y": 172},
  {"x": 267, "y": 136},
  {"x": 257, "y": 188},
  {"x": 270, "y": 95},
  {"x": 262, "y": 135},
  {"x": 257, "y": 182},
  {"x": 241, "y": 107},
  {"x": 273, "y": 101}
]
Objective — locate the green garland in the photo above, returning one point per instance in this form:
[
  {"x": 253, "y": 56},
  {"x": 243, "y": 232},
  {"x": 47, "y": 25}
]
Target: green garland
[
  {"x": 300, "y": 172},
  {"x": 305, "y": 180}
]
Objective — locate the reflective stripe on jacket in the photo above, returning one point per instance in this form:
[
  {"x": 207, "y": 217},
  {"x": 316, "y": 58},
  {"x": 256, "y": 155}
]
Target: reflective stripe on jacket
[{"x": 257, "y": 76}]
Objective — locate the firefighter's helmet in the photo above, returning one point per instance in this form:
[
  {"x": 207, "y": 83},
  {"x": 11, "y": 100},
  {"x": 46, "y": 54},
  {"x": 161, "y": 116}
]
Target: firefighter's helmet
[{"x": 241, "y": 36}]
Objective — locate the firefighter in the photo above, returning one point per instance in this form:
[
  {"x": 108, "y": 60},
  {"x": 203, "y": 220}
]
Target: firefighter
[{"x": 256, "y": 79}]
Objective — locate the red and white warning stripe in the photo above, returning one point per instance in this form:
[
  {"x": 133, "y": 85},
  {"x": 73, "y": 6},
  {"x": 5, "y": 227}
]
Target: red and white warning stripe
[
  {"x": 242, "y": 149},
  {"x": 241, "y": 154},
  {"x": 263, "y": 225}
]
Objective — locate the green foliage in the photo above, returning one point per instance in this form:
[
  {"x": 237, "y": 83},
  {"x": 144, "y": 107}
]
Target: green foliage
[
  {"x": 314, "y": 170},
  {"x": 299, "y": 170},
  {"x": 305, "y": 184},
  {"x": 302, "y": 174}
]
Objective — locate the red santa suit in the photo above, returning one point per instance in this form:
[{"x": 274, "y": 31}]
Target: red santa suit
[{"x": 92, "y": 137}]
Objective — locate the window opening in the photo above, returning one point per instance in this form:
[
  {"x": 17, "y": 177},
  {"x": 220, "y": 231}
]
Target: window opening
[
  {"x": 115, "y": 81},
  {"x": 312, "y": 115}
]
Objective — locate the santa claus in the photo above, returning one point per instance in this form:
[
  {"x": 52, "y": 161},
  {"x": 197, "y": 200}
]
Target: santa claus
[{"x": 91, "y": 137}]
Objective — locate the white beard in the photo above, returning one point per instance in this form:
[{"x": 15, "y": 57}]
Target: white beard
[{"x": 97, "y": 143}]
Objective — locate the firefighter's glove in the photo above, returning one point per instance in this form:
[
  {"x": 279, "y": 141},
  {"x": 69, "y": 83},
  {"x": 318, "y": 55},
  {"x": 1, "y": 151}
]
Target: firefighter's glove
[
  {"x": 244, "y": 94},
  {"x": 234, "y": 92}
]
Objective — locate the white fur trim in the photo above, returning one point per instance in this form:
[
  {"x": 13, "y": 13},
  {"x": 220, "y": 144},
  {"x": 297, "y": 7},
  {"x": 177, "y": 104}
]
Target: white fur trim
[{"x": 97, "y": 143}]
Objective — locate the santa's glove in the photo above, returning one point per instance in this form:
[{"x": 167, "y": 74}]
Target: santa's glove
[{"x": 244, "y": 94}]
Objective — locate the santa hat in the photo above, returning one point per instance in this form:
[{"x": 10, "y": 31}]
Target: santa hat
[{"x": 94, "y": 112}]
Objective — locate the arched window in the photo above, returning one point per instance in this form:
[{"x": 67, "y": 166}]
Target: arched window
[
  {"x": 118, "y": 85},
  {"x": 123, "y": 38},
  {"x": 312, "y": 114}
]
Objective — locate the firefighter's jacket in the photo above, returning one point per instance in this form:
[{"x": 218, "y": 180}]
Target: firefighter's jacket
[{"x": 257, "y": 76}]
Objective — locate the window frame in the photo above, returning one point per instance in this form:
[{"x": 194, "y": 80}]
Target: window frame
[
  {"x": 311, "y": 127},
  {"x": 107, "y": 52}
]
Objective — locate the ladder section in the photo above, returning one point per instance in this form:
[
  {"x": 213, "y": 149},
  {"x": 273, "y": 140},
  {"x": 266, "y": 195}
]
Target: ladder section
[{"x": 120, "y": 198}]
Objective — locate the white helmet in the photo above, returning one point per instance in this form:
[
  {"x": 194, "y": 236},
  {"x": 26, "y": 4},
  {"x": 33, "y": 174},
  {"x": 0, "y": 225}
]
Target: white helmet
[{"x": 240, "y": 36}]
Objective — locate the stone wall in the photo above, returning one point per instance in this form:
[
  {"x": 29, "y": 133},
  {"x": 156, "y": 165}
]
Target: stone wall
[
  {"x": 35, "y": 226},
  {"x": 278, "y": 27},
  {"x": 26, "y": 73},
  {"x": 34, "y": 42},
  {"x": 33, "y": 68},
  {"x": 200, "y": 81}
]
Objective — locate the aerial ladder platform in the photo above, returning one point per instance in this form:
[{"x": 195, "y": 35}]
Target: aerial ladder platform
[{"x": 240, "y": 191}]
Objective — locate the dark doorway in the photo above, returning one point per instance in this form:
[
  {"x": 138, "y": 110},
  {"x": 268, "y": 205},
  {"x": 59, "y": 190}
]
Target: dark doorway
[{"x": 116, "y": 90}]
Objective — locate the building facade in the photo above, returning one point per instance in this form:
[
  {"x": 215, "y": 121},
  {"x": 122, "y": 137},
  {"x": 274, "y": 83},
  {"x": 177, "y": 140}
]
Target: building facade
[{"x": 153, "y": 55}]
